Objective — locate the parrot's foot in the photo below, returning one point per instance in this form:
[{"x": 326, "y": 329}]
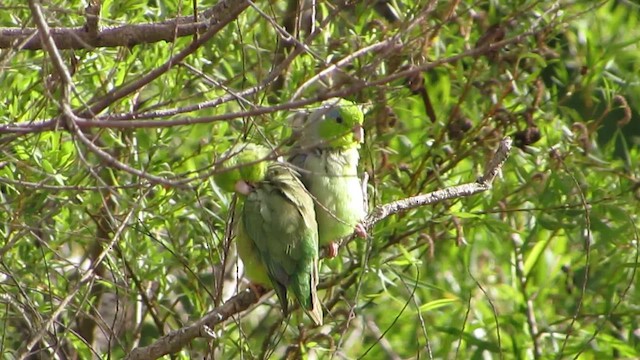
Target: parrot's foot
[
  {"x": 361, "y": 231},
  {"x": 257, "y": 289},
  {"x": 332, "y": 250}
]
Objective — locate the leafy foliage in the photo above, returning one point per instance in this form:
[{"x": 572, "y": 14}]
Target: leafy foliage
[{"x": 97, "y": 260}]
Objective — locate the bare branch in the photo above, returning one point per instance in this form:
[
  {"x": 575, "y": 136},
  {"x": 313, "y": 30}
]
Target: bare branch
[
  {"x": 69, "y": 116},
  {"x": 47, "y": 125},
  {"x": 177, "y": 339},
  {"x": 226, "y": 11},
  {"x": 90, "y": 36},
  {"x": 482, "y": 184}
]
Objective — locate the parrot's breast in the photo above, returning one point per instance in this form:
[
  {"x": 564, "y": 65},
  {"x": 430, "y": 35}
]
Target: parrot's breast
[
  {"x": 254, "y": 269},
  {"x": 333, "y": 180}
]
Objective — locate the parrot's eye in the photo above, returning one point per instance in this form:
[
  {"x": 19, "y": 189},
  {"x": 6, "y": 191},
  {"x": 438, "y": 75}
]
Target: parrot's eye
[{"x": 339, "y": 120}]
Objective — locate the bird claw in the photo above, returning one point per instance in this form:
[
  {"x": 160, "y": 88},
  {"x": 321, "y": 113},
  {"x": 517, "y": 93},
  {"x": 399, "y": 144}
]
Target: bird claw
[
  {"x": 332, "y": 250},
  {"x": 258, "y": 290},
  {"x": 361, "y": 231}
]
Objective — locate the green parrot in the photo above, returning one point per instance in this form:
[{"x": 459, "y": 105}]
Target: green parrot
[
  {"x": 236, "y": 174},
  {"x": 276, "y": 231},
  {"x": 326, "y": 154}
]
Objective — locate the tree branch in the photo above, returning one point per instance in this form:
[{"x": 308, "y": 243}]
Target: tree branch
[
  {"x": 483, "y": 183},
  {"x": 90, "y": 37},
  {"x": 177, "y": 339},
  {"x": 105, "y": 122}
]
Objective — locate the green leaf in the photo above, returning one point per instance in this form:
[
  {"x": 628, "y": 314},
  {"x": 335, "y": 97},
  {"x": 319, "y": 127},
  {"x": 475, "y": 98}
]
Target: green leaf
[{"x": 437, "y": 304}]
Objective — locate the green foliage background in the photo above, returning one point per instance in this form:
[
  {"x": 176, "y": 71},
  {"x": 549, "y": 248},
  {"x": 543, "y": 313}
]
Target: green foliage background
[{"x": 542, "y": 266}]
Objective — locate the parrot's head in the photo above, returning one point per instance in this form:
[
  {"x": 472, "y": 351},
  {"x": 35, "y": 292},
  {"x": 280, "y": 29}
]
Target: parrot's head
[
  {"x": 337, "y": 123},
  {"x": 242, "y": 166}
]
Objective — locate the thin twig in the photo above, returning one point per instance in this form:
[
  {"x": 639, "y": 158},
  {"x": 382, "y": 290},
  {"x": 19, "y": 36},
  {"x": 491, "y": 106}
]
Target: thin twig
[
  {"x": 384, "y": 343},
  {"x": 177, "y": 339},
  {"x": 622, "y": 296},
  {"x": 72, "y": 121},
  {"x": 46, "y": 125},
  {"x": 532, "y": 323},
  {"x": 482, "y": 184},
  {"x": 587, "y": 249},
  {"x": 225, "y": 12}
]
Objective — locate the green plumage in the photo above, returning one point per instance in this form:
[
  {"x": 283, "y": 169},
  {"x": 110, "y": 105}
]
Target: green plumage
[
  {"x": 243, "y": 161},
  {"x": 327, "y": 155},
  {"x": 277, "y": 232},
  {"x": 254, "y": 269},
  {"x": 279, "y": 217}
]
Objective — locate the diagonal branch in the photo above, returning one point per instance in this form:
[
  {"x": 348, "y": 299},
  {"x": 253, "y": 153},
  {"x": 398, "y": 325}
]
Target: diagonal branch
[
  {"x": 177, "y": 339},
  {"x": 483, "y": 183},
  {"x": 225, "y": 12}
]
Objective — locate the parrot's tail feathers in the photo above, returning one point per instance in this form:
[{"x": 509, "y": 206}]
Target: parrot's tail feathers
[
  {"x": 281, "y": 291},
  {"x": 315, "y": 313},
  {"x": 304, "y": 289}
]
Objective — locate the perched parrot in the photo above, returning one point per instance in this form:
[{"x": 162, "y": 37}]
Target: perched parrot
[
  {"x": 236, "y": 174},
  {"x": 276, "y": 231},
  {"x": 326, "y": 155}
]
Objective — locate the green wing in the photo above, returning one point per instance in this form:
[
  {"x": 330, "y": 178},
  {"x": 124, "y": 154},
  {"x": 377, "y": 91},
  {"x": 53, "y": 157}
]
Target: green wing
[
  {"x": 243, "y": 162},
  {"x": 279, "y": 218},
  {"x": 254, "y": 269}
]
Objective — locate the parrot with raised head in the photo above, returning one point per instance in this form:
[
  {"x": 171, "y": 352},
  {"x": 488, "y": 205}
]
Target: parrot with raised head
[
  {"x": 326, "y": 154},
  {"x": 276, "y": 228}
]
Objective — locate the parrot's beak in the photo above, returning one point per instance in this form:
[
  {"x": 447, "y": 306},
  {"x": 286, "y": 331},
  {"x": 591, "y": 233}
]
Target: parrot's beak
[
  {"x": 358, "y": 133},
  {"x": 243, "y": 187}
]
